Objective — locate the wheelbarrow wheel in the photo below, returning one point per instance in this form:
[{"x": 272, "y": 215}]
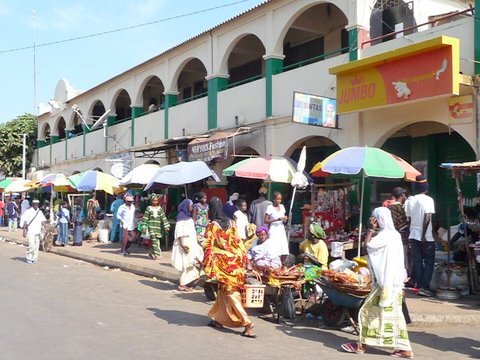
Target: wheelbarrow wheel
[
  {"x": 333, "y": 315},
  {"x": 46, "y": 243}
]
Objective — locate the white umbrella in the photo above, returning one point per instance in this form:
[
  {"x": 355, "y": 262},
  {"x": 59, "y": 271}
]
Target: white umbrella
[
  {"x": 182, "y": 173},
  {"x": 141, "y": 175},
  {"x": 20, "y": 185}
]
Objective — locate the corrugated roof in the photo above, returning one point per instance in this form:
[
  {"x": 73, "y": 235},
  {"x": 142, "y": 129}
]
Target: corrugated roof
[{"x": 177, "y": 46}]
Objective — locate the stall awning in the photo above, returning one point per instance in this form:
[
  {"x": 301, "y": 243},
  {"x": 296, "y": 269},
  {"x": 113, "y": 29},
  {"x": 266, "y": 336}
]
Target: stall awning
[
  {"x": 215, "y": 146},
  {"x": 423, "y": 70}
]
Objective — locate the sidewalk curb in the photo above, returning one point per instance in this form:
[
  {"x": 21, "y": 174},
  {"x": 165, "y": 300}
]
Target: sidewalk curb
[{"x": 161, "y": 274}]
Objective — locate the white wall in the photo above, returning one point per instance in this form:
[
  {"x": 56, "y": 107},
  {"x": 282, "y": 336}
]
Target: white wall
[
  {"x": 122, "y": 135},
  {"x": 75, "y": 147},
  {"x": 191, "y": 116},
  {"x": 150, "y": 128},
  {"x": 462, "y": 29},
  {"x": 247, "y": 101}
]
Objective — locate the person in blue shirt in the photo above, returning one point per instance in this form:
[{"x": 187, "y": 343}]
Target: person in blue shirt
[{"x": 115, "y": 222}]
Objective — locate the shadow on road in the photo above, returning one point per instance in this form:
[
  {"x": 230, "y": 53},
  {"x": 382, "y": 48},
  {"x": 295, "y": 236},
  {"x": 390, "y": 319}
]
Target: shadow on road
[
  {"x": 18, "y": 258},
  {"x": 457, "y": 345},
  {"x": 159, "y": 285}
]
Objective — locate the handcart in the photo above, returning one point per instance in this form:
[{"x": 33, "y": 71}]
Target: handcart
[{"x": 340, "y": 303}]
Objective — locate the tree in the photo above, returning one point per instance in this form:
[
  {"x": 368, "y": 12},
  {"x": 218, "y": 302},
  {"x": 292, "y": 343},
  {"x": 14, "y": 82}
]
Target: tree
[{"x": 11, "y": 143}]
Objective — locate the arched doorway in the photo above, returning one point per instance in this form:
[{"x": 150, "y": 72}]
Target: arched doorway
[
  {"x": 123, "y": 107},
  {"x": 426, "y": 145},
  {"x": 191, "y": 82},
  {"x": 61, "y": 129},
  {"x": 246, "y": 60},
  {"x": 318, "y": 33},
  {"x": 152, "y": 94}
]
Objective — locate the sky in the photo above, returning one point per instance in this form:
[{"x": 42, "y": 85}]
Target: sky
[{"x": 89, "y": 61}]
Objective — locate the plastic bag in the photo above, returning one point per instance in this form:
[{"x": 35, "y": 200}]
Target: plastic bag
[
  {"x": 287, "y": 304},
  {"x": 336, "y": 249}
]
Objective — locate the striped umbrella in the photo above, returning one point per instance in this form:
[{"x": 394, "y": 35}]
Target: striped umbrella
[
  {"x": 367, "y": 162},
  {"x": 267, "y": 168}
]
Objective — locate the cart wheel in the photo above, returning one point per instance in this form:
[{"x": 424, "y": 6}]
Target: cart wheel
[
  {"x": 210, "y": 291},
  {"x": 46, "y": 243},
  {"x": 333, "y": 315}
]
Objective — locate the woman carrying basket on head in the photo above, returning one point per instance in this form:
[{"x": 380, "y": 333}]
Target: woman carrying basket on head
[
  {"x": 381, "y": 321},
  {"x": 225, "y": 260}
]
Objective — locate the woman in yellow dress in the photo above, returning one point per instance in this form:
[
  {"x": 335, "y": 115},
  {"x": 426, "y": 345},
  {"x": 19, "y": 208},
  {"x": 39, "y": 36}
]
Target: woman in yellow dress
[{"x": 225, "y": 260}]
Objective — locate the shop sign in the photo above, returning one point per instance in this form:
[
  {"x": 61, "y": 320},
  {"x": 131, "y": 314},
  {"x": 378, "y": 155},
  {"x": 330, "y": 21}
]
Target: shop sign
[
  {"x": 460, "y": 109},
  {"x": 314, "y": 110},
  {"x": 418, "y": 71},
  {"x": 208, "y": 149}
]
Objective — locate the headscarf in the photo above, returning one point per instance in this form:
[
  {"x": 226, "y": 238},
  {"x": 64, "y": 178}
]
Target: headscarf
[
  {"x": 217, "y": 214},
  {"x": 184, "y": 212},
  {"x": 154, "y": 197},
  {"x": 317, "y": 231},
  {"x": 262, "y": 228},
  {"x": 385, "y": 251}
]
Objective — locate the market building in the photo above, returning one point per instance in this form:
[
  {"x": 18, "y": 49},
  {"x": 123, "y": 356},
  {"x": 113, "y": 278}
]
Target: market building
[{"x": 265, "y": 82}]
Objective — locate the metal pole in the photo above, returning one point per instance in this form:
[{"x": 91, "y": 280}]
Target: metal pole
[
  {"x": 24, "y": 155},
  {"x": 361, "y": 215},
  {"x": 289, "y": 221}
]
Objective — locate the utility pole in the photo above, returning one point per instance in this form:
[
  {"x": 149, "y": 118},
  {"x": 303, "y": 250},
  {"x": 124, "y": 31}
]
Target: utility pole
[{"x": 24, "y": 157}]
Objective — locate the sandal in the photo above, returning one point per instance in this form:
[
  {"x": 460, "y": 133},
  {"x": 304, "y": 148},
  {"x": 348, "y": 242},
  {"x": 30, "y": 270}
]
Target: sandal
[
  {"x": 184, "y": 289},
  {"x": 352, "y": 348},
  {"x": 248, "y": 335},
  {"x": 402, "y": 354},
  {"x": 215, "y": 324}
]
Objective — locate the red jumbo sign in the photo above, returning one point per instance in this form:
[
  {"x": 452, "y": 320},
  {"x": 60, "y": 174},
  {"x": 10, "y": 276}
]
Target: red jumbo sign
[{"x": 418, "y": 71}]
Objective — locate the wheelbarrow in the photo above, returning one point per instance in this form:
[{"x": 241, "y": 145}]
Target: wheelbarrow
[{"x": 339, "y": 305}]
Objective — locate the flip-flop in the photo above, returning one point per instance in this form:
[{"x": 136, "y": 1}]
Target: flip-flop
[
  {"x": 352, "y": 348},
  {"x": 215, "y": 325},
  {"x": 185, "y": 289},
  {"x": 401, "y": 355},
  {"x": 248, "y": 335}
]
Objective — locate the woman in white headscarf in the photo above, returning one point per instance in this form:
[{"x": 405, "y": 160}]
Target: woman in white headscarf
[{"x": 381, "y": 320}]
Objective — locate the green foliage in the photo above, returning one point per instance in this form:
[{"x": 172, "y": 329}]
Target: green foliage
[{"x": 11, "y": 143}]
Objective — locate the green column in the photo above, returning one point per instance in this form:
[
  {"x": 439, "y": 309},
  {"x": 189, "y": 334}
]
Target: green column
[
  {"x": 67, "y": 135},
  {"x": 432, "y": 166},
  {"x": 110, "y": 121},
  {"x": 215, "y": 84},
  {"x": 53, "y": 139},
  {"x": 476, "y": 38},
  {"x": 85, "y": 132},
  {"x": 353, "y": 44},
  {"x": 273, "y": 65},
  {"x": 170, "y": 101},
  {"x": 137, "y": 111}
]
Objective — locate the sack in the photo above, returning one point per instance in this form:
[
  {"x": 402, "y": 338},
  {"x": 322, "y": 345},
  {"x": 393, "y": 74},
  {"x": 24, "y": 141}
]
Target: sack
[{"x": 287, "y": 305}]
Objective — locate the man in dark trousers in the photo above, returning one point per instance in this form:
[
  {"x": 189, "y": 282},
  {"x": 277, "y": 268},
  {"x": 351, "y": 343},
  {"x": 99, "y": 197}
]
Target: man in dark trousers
[
  {"x": 258, "y": 207},
  {"x": 419, "y": 209}
]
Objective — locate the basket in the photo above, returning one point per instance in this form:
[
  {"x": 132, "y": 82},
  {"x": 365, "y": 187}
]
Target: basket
[{"x": 252, "y": 296}]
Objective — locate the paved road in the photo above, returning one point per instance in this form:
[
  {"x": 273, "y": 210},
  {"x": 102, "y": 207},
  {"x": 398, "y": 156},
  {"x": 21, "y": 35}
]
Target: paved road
[{"x": 62, "y": 308}]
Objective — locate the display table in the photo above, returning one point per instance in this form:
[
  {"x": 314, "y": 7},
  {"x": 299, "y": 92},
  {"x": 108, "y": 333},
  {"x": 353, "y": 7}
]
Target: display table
[{"x": 295, "y": 243}]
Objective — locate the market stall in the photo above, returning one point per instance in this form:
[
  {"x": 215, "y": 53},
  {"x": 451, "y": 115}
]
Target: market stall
[{"x": 469, "y": 218}]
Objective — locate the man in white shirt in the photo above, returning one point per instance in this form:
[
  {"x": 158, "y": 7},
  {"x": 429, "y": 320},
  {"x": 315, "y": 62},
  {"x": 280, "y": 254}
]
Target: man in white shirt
[
  {"x": 419, "y": 209},
  {"x": 128, "y": 222},
  {"x": 31, "y": 223}
]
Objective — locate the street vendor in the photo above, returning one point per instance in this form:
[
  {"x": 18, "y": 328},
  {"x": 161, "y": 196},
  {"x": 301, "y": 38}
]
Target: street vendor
[
  {"x": 263, "y": 254},
  {"x": 314, "y": 245}
]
